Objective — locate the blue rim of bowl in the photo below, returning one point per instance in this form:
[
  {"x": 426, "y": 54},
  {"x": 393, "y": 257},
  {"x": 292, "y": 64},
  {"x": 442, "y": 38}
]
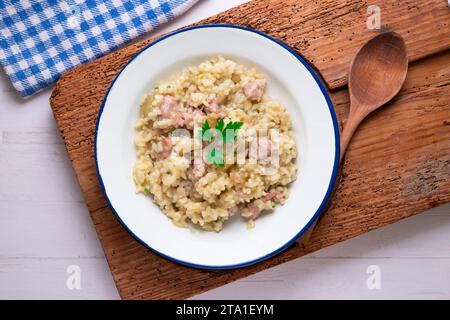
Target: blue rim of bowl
[{"x": 333, "y": 176}]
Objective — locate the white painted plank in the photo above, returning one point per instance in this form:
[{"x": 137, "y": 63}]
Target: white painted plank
[
  {"x": 66, "y": 231},
  {"x": 36, "y": 172},
  {"x": 44, "y": 226},
  {"x": 50, "y": 230},
  {"x": 46, "y": 279},
  {"x": 426, "y": 235},
  {"x": 31, "y": 136},
  {"x": 413, "y": 255},
  {"x": 19, "y": 113},
  {"x": 340, "y": 278}
]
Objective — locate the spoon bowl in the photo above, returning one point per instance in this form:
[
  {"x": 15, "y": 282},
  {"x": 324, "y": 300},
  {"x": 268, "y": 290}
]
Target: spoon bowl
[
  {"x": 378, "y": 70},
  {"x": 377, "y": 73}
]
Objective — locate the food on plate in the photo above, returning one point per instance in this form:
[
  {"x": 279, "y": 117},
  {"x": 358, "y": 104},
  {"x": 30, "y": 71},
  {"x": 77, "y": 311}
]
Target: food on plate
[{"x": 211, "y": 144}]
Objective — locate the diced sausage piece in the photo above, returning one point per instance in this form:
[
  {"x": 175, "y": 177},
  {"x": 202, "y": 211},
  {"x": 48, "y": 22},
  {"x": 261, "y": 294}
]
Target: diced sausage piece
[
  {"x": 172, "y": 110},
  {"x": 243, "y": 194},
  {"x": 212, "y": 106},
  {"x": 198, "y": 171},
  {"x": 187, "y": 186},
  {"x": 191, "y": 116},
  {"x": 196, "y": 112},
  {"x": 254, "y": 91},
  {"x": 170, "y": 107},
  {"x": 269, "y": 195},
  {"x": 254, "y": 210},
  {"x": 166, "y": 149},
  {"x": 233, "y": 210}
]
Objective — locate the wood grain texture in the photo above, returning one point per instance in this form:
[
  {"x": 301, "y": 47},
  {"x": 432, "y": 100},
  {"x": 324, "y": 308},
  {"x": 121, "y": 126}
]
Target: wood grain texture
[
  {"x": 397, "y": 165},
  {"x": 326, "y": 32},
  {"x": 378, "y": 186},
  {"x": 376, "y": 75}
]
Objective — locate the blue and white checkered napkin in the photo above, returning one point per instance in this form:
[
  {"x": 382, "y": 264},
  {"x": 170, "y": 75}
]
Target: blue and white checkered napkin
[{"x": 40, "y": 39}]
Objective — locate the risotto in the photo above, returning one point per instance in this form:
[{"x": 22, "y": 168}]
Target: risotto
[{"x": 247, "y": 176}]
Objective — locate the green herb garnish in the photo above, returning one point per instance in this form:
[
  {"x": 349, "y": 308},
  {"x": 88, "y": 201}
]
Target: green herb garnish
[
  {"x": 220, "y": 124},
  {"x": 146, "y": 190},
  {"x": 215, "y": 156},
  {"x": 228, "y": 134},
  {"x": 232, "y": 127}
]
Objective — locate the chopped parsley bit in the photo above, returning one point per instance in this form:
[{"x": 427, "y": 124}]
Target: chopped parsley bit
[
  {"x": 146, "y": 190},
  {"x": 274, "y": 206},
  {"x": 215, "y": 156},
  {"x": 234, "y": 127},
  {"x": 169, "y": 86},
  {"x": 156, "y": 88}
]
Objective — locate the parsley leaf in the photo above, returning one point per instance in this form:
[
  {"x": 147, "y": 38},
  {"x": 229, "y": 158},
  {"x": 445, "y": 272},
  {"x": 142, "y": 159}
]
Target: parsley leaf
[
  {"x": 228, "y": 134},
  {"x": 233, "y": 127},
  {"x": 220, "y": 124},
  {"x": 215, "y": 157}
]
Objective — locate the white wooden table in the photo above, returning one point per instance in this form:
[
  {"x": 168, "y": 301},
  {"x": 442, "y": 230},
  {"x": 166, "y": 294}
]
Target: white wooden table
[{"x": 45, "y": 227}]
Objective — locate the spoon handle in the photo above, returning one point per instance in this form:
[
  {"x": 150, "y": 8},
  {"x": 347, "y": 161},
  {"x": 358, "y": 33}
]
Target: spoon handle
[{"x": 355, "y": 117}]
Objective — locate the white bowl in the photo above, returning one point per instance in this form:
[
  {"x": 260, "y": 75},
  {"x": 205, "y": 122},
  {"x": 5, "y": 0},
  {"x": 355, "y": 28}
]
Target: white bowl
[{"x": 290, "y": 81}]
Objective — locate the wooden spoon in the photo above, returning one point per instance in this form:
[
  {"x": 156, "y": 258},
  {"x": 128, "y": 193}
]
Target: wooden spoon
[{"x": 377, "y": 72}]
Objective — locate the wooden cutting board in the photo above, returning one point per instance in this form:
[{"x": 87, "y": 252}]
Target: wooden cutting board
[{"x": 398, "y": 163}]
